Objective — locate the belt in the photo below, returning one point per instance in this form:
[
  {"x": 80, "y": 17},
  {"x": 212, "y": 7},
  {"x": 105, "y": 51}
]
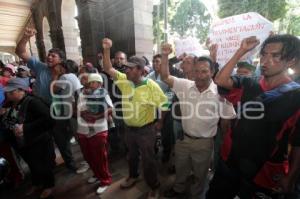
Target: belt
[
  {"x": 192, "y": 137},
  {"x": 135, "y": 127}
]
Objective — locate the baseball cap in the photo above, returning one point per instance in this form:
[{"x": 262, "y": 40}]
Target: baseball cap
[
  {"x": 14, "y": 84},
  {"x": 12, "y": 67},
  {"x": 95, "y": 77},
  {"x": 135, "y": 61}
]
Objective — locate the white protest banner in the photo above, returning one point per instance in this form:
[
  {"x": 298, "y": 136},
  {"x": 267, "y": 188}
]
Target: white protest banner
[
  {"x": 229, "y": 32},
  {"x": 189, "y": 45}
]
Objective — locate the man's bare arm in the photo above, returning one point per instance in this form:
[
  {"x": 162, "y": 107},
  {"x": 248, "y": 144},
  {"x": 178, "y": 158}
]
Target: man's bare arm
[
  {"x": 223, "y": 77},
  {"x": 166, "y": 49},
  {"x": 21, "y": 46},
  {"x": 107, "y": 66}
]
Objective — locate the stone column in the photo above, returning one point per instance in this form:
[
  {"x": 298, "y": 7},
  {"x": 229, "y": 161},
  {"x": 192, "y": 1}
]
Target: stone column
[
  {"x": 143, "y": 27},
  {"x": 129, "y": 24},
  {"x": 54, "y": 19},
  {"x": 90, "y": 22},
  {"x": 119, "y": 25},
  {"x": 52, "y": 11},
  {"x": 37, "y": 15}
]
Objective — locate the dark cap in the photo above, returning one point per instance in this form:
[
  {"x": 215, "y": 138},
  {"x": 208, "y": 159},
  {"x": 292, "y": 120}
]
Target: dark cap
[
  {"x": 135, "y": 61},
  {"x": 246, "y": 65},
  {"x": 15, "y": 83}
]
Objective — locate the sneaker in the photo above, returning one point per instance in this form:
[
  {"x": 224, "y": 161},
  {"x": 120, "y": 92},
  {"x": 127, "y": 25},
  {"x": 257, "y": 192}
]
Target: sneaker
[
  {"x": 73, "y": 141},
  {"x": 100, "y": 190},
  {"x": 82, "y": 169},
  {"x": 92, "y": 180},
  {"x": 128, "y": 183},
  {"x": 153, "y": 194}
]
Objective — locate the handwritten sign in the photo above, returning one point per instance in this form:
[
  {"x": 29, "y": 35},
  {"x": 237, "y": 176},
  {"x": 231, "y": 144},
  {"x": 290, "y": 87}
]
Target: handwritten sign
[
  {"x": 229, "y": 32},
  {"x": 189, "y": 45}
]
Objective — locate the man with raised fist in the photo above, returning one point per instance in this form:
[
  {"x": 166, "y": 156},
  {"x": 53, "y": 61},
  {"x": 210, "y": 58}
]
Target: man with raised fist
[{"x": 140, "y": 99}]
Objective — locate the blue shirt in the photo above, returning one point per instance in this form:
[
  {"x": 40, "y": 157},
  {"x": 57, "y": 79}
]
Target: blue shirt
[
  {"x": 164, "y": 87},
  {"x": 43, "y": 78}
]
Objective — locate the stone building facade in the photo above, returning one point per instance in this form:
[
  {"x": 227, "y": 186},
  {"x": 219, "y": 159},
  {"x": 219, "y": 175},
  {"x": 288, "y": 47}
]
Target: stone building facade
[{"x": 127, "y": 22}]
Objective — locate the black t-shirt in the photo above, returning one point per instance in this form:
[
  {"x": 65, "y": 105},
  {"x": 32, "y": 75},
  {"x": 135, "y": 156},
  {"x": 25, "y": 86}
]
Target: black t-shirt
[
  {"x": 35, "y": 116},
  {"x": 277, "y": 123}
]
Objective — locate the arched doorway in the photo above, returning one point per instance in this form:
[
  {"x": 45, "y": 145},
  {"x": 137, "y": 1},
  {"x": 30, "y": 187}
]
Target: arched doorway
[{"x": 71, "y": 30}]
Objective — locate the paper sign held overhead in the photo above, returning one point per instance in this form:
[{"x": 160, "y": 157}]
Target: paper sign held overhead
[
  {"x": 229, "y": 32},
  {"x": 189, "y": 45}
]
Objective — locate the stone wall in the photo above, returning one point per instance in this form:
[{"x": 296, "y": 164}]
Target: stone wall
[
  {"x": 143, "y": 27},
  {"x": 119, "y": 25},
  {"x": 90, "y": 22},
  {"x": 129, "y": 24}
]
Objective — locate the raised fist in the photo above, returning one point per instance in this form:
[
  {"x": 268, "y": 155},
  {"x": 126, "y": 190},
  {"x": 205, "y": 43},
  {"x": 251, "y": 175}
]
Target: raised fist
[
  {"x": 249, "y": 43},
  {"x": 106, "y": 43},
  {"x": 29, "y": 32},
  {"x": 166, "y": 49}
]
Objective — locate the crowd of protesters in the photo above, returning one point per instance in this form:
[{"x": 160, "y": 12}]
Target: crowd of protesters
[{"x": 243, "y": 127}]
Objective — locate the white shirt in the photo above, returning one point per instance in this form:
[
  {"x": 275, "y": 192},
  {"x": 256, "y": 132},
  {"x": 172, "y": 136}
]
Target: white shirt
[
  {"x": 74, "y": 81},
  {"x": 68, "y": 83},
  {"x": 84, "y": 128},
  {"x": 201, "y": 111}
]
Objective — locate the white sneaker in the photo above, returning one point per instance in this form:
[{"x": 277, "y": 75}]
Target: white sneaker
[
  {"x": 100, "y": 190},
  {"x": 92, "y": 180},
  {"x": 82, "y": 169},
  {"x": 73, "y": 141}
]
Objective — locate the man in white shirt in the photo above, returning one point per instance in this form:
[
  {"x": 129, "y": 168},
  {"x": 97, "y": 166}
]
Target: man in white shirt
[{"x": 201, "y": 109}]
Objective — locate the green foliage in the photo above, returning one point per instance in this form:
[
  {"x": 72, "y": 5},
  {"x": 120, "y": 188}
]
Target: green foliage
[
  {"x": 294, "y": 25},
  {"x": 185, "y": 17},
  {"x": 271, "y": 9},
  {"x": 191, "y": 19},
  {"x": 157, "y": 24}
]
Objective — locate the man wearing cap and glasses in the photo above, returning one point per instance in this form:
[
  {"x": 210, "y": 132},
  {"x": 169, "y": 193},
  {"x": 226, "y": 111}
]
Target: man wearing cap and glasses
[{"x": 140, "y": 99}]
